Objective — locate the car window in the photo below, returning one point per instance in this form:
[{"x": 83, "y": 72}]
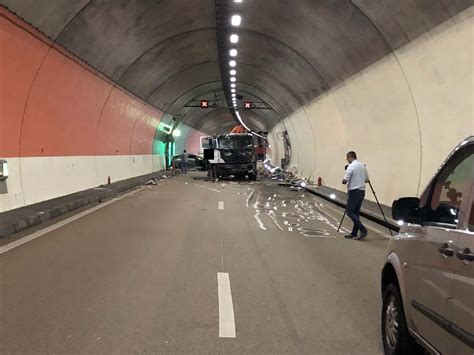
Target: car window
[{"x": 451, "y": 186}]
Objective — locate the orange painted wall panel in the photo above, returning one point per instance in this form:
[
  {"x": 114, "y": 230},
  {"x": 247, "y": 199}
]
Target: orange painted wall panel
[
  {"x": 117, "y": 122},
  {"x": 63, "y": 109},
  {"x": 21, "y": 55},
  {"x": 56, "y": 105},
  {"x": 144, "y": 131}
]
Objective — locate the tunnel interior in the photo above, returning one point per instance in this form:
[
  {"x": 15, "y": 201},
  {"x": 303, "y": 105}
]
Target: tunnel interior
[{"x": 155, "y": 61}]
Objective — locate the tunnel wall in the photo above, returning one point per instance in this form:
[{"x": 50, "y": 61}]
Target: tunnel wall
[
  {"x": 63, "y": 126},
  {"x": 402, "y": 115}
]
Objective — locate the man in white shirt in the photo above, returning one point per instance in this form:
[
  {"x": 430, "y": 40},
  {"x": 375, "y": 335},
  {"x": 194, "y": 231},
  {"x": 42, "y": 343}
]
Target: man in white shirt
[{"x": 355, "y": 178}]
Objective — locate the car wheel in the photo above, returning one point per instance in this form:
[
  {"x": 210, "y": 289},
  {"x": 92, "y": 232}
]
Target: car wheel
[{"x": 395, "y": 335}]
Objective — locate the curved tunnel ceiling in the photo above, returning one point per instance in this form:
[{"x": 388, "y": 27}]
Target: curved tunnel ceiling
[{"x": 165, "y": 51}]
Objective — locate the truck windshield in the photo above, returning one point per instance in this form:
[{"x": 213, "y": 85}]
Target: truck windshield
[{"x": 235, "y": 142}]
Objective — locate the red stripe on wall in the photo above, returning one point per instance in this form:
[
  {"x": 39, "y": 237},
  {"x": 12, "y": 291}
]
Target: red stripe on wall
[
  {"x": 20, "y": 58},
  {"x": 51, "y": 104}
]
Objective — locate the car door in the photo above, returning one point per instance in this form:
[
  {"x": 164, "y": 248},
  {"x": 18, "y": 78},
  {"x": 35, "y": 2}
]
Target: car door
[
  {"x": 433, "y": 271},
  {"x": 463, "y": 288}
]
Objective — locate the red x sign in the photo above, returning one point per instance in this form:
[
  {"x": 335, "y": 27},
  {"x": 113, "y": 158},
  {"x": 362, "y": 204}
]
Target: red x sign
[
  {"x": 247, "y": 105},
  {"x": 204, "y": 104}
]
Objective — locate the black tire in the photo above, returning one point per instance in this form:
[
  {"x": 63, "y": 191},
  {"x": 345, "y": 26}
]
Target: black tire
[{"x": 398, "y": 342}]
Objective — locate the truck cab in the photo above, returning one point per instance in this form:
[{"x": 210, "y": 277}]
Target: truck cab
[{"x": 234, "y": 156}]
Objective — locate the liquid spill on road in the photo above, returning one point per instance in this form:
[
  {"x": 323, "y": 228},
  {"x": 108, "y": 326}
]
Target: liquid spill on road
[
  {"x": 296, "y": 215},
  {"x": 257, "y": 214}
]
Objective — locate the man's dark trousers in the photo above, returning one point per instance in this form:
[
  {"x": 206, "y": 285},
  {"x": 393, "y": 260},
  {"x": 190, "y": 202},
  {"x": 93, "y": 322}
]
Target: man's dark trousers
[{"x": 354, "y": 203}]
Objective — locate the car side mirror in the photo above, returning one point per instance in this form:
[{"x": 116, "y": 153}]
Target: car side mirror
[
  {"x": 3, "y": 170},
  {"x": 406, "y": 209}
]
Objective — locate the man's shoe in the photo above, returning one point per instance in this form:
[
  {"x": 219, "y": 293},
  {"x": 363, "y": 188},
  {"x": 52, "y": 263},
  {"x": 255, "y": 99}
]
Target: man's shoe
[
  {"x": 350, "y": 236},
  {"x": 362, "y": 235}
]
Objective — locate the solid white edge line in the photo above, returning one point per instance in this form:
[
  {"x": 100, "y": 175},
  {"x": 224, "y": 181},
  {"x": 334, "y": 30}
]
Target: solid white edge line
[
  {"x": 220, "y": 205},
  {"x": 226, "y": 307},
  {"x": 62, "y": 223}
]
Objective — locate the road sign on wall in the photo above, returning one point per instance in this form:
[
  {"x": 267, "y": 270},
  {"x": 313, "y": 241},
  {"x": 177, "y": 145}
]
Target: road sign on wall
[
  {"x": 204, "y": 103},
  {"x": 247, "y": 105}
]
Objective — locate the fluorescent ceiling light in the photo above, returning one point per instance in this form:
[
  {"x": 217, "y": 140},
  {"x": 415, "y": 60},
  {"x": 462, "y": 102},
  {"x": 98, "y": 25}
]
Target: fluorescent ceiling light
[
  {"x": 232, "y": 63},
  {"x": 234, "y": 38},
  {"x": 236, "y": 20},
  {"x": 233, "y": 52},
  {"x": 233, "y": 72}
]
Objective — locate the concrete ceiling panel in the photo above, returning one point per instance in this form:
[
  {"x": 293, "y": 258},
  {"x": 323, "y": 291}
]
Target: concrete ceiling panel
[
  {"x": 112, "y": 34},
  {"x": 290, "y": 52},
  {"x": 49, "y": 16}
]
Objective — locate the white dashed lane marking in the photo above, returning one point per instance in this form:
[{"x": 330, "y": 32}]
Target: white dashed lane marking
[{"x": 226, "y": 307}]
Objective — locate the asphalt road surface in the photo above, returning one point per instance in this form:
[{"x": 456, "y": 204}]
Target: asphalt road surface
[{"x": 190, "y": 266}]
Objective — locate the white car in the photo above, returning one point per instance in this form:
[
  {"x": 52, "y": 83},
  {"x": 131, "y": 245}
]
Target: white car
[{"x": 428, "y": 277}]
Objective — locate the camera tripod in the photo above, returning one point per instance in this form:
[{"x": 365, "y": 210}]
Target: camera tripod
[{"x": 378, "y": 204}]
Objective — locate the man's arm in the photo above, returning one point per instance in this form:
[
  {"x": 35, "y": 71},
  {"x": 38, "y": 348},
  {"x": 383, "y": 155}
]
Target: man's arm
[{"x": 347, "y": 176}]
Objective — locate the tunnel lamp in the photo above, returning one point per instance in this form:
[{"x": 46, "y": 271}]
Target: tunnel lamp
[
  {"x": 233, "y": 52},
  {"x": 232, "y": 85},
  {"x": 177, "y": 133},
  {"x": 233, "y": 72},
  {"x": 234, "y": 38},
  {"x": 239, "y": 1},
  {"x": 232, "y": 90},
  {"x": 232, "y": 63},
  {"x": 165, "y": 127},
  {"x": 233, "y": 79},
  {"x": 236, "y": 20}
]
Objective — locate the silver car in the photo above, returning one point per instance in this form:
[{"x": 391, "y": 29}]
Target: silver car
[{"x": 428, "y": 277}]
